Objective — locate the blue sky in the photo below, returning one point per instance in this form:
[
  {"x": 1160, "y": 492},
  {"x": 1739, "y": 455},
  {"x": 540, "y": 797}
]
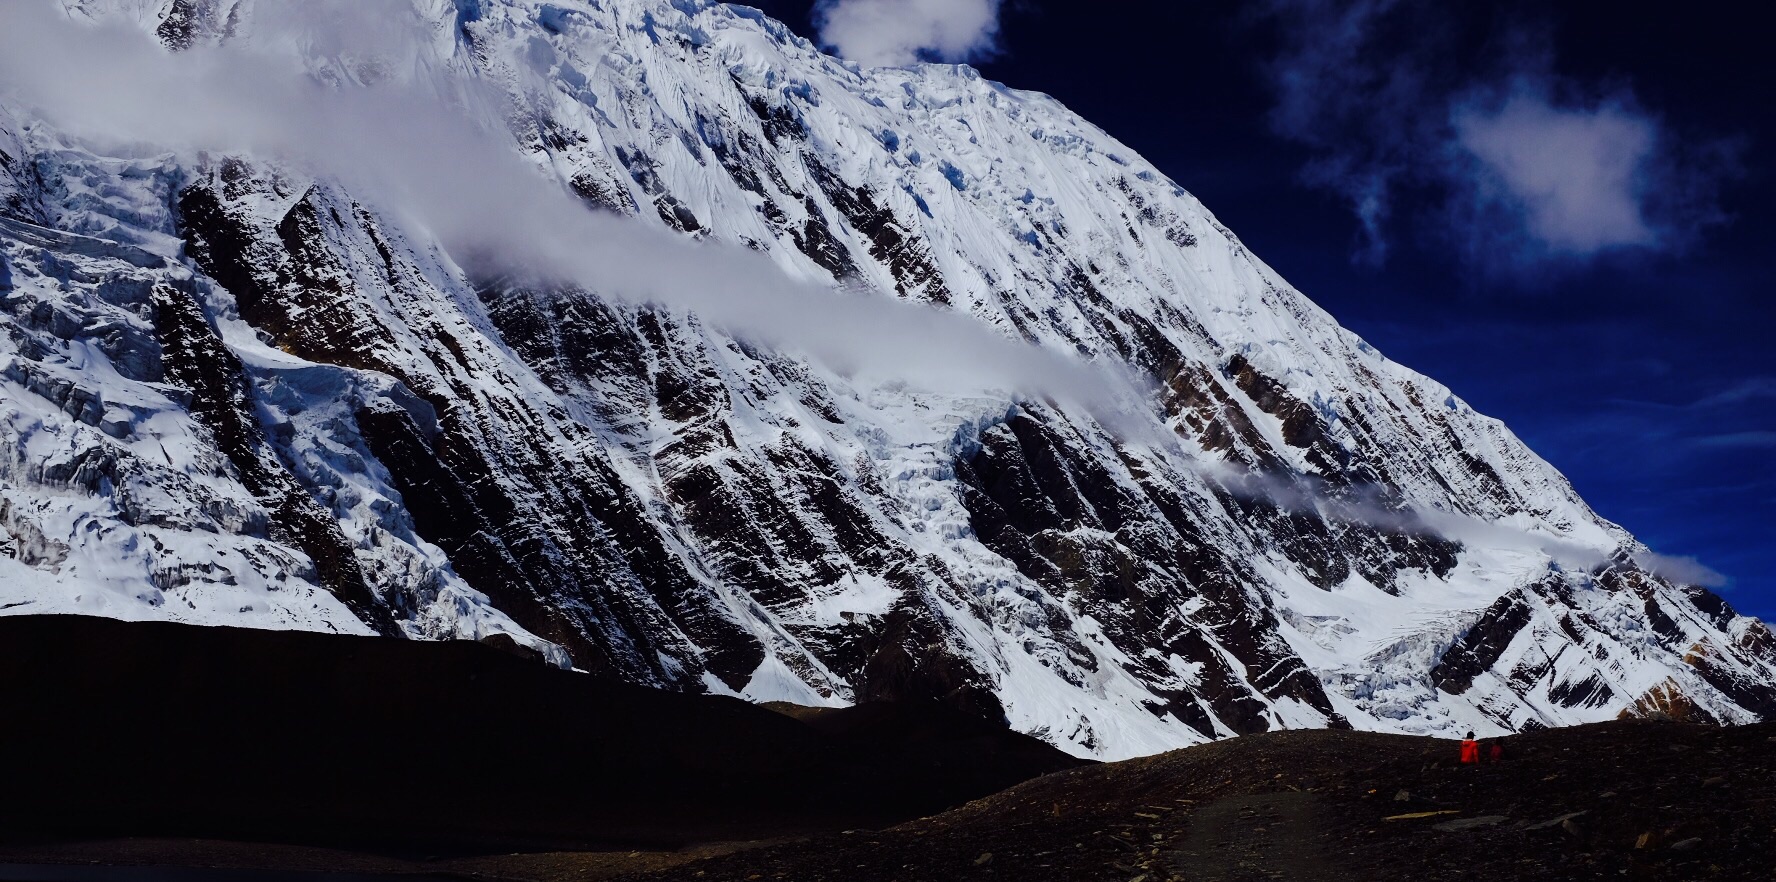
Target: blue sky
[{"x": 1561, "y": 210}]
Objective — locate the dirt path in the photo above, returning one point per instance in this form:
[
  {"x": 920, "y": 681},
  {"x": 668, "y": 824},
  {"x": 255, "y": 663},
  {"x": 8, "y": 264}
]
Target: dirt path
[{"x": 1267, "y": 836}]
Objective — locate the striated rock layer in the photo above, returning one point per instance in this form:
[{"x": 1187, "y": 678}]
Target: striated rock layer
[{"x": 233, "y": 393}]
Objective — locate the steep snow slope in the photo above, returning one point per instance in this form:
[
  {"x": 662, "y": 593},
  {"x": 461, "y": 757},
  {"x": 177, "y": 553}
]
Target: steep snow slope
[{"x": 242, "y": 394}]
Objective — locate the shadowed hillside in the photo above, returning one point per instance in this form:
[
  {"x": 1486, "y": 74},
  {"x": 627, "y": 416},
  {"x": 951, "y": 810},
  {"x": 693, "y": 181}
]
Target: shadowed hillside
[{"x": 152, "y": 729}]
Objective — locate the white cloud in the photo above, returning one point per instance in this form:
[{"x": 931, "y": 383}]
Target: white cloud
[
  {"x": 1510, "y": 162},
  {"x": 1306, "y": 495},
  {"x": 1574, "y": 175},
  {"x": 878, "y": 33},
  {"x": 414, "y": 145},
  {"x": 1682, "y": 570}
]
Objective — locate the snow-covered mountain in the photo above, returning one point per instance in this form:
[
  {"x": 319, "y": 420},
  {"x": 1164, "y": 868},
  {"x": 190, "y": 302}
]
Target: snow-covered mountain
[{"x": 235, "y": 393}]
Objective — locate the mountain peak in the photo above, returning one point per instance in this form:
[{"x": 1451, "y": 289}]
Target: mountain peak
[{"x": 317, "y": 412}]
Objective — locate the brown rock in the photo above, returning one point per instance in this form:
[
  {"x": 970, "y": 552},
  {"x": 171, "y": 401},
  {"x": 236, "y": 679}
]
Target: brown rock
[
  {"x": 1561, "y": 821},
  {"x": 1461, "y": 824}
]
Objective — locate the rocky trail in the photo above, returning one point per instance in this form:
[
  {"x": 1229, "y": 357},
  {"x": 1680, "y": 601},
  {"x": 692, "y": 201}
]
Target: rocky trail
[{"x": 1259, "y": 837}]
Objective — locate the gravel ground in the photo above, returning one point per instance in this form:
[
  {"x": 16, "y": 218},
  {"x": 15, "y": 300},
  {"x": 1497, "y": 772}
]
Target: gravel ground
[{"x": 1630, "y": 800}]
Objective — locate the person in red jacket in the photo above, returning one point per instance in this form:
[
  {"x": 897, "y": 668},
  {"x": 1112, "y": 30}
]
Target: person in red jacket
[
  {"x": 1495, "y": 752},
  {"x": 1470, "y": 751}
]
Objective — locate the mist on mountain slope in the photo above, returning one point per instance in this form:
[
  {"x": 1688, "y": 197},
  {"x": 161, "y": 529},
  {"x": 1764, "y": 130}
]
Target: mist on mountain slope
[
  {"x": 415, "y": 145},
  {"x": 424, "y": 143}
]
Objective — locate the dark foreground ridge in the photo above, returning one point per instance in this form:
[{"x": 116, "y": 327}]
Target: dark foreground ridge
[
  {"x": 150, "y": 729},
  {"x": 387, "y": 757},
  {"x": 1624, "y": 800}
]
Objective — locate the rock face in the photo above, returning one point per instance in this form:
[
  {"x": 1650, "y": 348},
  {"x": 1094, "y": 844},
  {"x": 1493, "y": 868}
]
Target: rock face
[{"x": 237, "y": 394}]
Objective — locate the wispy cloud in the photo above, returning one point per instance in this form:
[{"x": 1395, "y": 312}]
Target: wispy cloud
[
  {"x": 1732, "y": 399},
  {"x": 1306, "y": 495},
  {"x": 1755, "y": 440},
  {"x": 1574, "y": 174},
  {"x": 414, "y": 145},
  {"x": 1749, "y": 389},
  {"x": 1515, "y": 164},
  {"x": 1682, "y": 570},
  {"x": 1330, "y": 88},
  {"x": 880, "y": 33}
]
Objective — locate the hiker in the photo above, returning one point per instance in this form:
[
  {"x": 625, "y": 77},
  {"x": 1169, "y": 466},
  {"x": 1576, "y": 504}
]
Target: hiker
[
  {"x": 1470, "y": 751},
  {"x": 1495, "y": 752}
]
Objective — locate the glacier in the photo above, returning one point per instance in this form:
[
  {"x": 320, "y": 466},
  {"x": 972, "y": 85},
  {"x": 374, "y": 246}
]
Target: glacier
[{"x": 237, "y": 391}]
